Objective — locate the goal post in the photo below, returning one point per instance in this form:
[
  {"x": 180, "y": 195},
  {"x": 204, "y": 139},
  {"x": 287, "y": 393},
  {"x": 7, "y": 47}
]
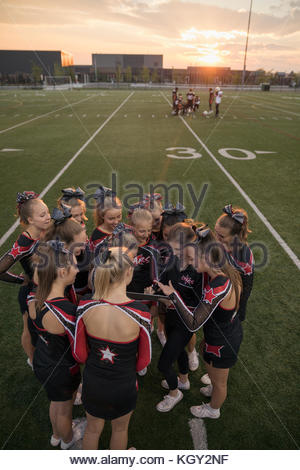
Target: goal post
[{"x": 58, "y": 82}]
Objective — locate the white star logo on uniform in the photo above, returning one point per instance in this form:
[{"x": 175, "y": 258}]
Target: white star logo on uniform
[{"x": 107, "y": 354}]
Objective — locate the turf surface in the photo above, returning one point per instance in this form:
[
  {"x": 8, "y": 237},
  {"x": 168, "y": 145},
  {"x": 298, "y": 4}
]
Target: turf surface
[{"x": 260, "y": 411}]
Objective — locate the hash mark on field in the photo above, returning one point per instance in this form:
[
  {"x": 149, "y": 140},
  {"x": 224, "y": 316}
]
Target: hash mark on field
[
  {"x": 288, "y": 118},
  {"x": 57, "y": 115},
  {"x": 139, "y": 116},
  {"x": 70, "y": 115},
  {"x": 42, "y": 115},
  {"x": 29, "y": 115},
  {"x": 84, "y": 115},
  {"x": 125, "y": 115},
  {"x": 98, "y": 115},
  {"x": 262, "y": 118},
  {"x": 234, "y": 117}
]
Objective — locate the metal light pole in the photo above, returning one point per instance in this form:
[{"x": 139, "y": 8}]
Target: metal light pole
[{"x": 246, "y": 48}]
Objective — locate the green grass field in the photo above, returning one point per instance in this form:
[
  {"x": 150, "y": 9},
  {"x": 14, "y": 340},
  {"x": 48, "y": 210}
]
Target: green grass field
[{"x": 261, "y": 411}]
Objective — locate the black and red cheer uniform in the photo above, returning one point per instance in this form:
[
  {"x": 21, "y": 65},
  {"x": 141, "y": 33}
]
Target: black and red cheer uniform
[
  {"x": 109, "y": 387},
  {"x": 221, "y": 327},
  {"x": 188, "y": 284},
  {"x": 243, "y": 260},
  {"x": 53, "y": 361}
]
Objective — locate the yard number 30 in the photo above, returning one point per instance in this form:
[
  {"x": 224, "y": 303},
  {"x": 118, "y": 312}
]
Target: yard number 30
[{"x": 183, "y": 153}]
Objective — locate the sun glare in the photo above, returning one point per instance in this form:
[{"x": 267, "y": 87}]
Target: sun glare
[{"x": 210, "y": 59}]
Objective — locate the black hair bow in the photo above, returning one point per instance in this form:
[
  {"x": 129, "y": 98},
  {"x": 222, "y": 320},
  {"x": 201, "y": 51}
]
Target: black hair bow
[
  {"x": 58, "y": 246},
  {"x": 104, "y": 255},
  {"x": 121, "y": 228},
  {"x": 202, "y": 233},
  {"x": 103, "y": 192},
  {"x": 59, "y": 216},
  {"x": 152, "y": 197},
  {"x": 238, "y": 216},
  {"x": 25, "y": 196},
  {"x": 137, "y": 205},
  {"x": 178, "y": 211},
  {"x": 69, "y": 193}
]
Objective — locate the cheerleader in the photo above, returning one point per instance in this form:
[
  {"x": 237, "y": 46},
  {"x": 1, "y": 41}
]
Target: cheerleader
[
  {"x": 217, "y": 313},
  {"x": 65, "y": 228},
  {"x": 74, "y": 198},
  {"x": 35, "y": 219},
  {"x": 187, "y": 282},
  {"x": 153, "y": 202},
  {"x": 107, "y": 215},
  {"x": 53, "y": 316},
  {"x": 113, "y": 339},
  {"x": 232, "y": 231},
  {"x": 146, "y": 265},
  {"x": 170, "y": 217}
]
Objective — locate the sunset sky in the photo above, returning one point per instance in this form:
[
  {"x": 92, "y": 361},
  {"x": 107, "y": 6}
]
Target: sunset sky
[{"x": 186, "y": 32}]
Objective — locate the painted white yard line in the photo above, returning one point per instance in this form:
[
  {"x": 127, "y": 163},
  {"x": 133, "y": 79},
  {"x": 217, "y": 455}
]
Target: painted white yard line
[
  {"x": 198, "y": 433},
  {"x": 264, "y": 105},
  {"x": 11, "y": 230},
  {"x": 43, "y": 115},
  {"x": 271, "y": 229}
]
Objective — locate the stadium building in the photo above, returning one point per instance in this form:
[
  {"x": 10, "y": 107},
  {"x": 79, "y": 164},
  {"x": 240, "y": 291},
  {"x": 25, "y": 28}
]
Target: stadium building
[
  {"x": 114, "y": 64},
  {"x": 209, "y": 75},
  {"x": 16, "y": 63}
]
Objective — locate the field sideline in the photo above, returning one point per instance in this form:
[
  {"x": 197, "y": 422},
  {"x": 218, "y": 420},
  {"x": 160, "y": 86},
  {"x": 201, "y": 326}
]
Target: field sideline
[{"x": 91, "y": 134}]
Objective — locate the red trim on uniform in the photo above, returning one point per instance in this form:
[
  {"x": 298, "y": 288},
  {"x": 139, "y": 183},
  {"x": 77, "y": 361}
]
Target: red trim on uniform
[
  {"x": 30, "y": 238},
  {"x": 66, "y": 315},
  {"x": 40, "y": 329},
  {"x": 103, "y": 231}
]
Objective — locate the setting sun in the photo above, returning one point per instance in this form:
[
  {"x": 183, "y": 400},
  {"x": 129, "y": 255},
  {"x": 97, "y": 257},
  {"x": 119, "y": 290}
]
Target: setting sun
[{"x": 212, "y": 58}]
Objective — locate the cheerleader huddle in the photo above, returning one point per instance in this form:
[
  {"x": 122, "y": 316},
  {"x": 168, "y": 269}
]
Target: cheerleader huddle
[{"x": 95, "y": 301}]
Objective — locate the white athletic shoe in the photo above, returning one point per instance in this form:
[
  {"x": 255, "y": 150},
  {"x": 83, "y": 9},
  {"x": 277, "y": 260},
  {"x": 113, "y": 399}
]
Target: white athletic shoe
[
  {"x": 181, "y": 385},
  {"x": 206, "y": 391},
  {"x": 162, "y": 337},
  {"x": 169, "y": 402},
  {"x": 143, "y": 372},
  {"x": 205, "y": 379},
  {"x": 78, "y": 426},
  {"x": 54, "y": 442},
  {"x": 29, "y": 363},
  {"x": 205, "y": 411},
  {"x": 193, "y": 360}
]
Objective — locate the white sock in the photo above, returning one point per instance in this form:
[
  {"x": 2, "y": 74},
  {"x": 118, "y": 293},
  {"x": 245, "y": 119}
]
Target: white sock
[{"x": 214, "y": 410}]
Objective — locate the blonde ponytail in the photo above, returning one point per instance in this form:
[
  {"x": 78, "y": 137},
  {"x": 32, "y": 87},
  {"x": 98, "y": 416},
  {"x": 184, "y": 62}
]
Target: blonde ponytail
[{"x": 111, "y": 271}]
